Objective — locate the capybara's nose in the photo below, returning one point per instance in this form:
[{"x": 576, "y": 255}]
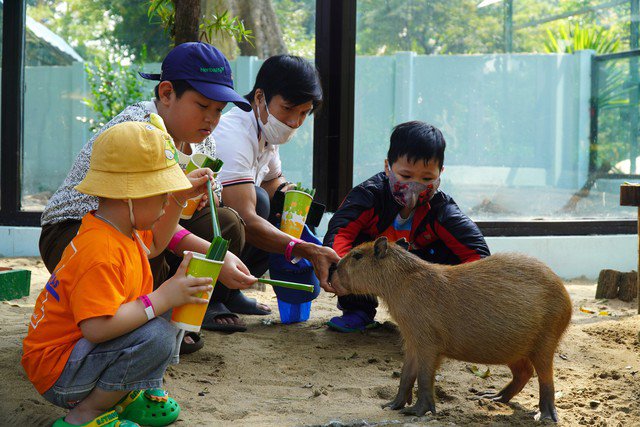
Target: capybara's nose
[{"x": 332, "y": 268}]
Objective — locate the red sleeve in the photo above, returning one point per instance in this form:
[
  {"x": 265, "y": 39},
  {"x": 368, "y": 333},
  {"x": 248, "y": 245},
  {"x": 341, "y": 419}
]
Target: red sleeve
[{"x": 355, "y": 216}]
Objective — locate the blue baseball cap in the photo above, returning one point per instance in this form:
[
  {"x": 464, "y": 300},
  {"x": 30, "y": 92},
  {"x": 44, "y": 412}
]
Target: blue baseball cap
[{"x": 205, "y": 68}]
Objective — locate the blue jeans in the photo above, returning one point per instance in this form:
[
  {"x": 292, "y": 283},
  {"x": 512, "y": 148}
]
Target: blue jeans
[{"x": 133, "y": 361}]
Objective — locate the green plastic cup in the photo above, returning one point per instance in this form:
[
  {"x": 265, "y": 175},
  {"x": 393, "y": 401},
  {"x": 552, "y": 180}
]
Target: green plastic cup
[
  {"x": 189, "y": 316},
  {"x": 294, "y": 212}
]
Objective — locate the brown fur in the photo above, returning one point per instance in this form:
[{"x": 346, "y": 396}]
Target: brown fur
[{"x": 504, "y": 309}]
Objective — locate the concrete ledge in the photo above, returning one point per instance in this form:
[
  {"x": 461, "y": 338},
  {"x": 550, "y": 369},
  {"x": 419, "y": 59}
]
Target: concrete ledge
[{"x": 19, "y": 241}]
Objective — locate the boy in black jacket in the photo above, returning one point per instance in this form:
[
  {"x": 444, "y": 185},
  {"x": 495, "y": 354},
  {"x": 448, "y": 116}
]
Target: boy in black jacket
[{"x": 403, "y": 202}]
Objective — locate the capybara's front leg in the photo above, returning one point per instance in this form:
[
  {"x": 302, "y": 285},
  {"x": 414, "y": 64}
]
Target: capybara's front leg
[
  {"x": 426, "y": 397},
  {"x": 407, "y": 379}
]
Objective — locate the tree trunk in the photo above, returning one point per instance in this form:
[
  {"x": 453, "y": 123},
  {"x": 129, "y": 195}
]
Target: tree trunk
[
  {"x": 608, "y": 282},
  {"x": 261, "y": 19},
  {"x": 187, "y": 21},
  {"x": 225, "y": 43},
  {"x": 628, "y": 287}
]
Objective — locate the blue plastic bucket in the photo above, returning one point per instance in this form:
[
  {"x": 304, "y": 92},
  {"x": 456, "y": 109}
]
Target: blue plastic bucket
[{"x": 294, "y": 312}]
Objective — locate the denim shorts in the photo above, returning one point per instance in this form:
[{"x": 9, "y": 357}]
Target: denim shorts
[{"x": 133, "y": 361}]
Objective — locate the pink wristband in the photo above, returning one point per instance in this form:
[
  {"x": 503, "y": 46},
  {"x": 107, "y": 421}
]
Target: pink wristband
[
  {"x": 177, "y": 238},
  {"x": 289, "y": 249},
  {"x": 148, "y": 307}
]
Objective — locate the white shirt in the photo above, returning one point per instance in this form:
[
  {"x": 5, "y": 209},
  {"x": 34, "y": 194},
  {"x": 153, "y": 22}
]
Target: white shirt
[{"x": 247, "y": 157}]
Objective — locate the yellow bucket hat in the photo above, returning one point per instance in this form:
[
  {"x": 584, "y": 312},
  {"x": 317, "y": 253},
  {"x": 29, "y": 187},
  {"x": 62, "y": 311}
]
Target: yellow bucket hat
[{"x": 133, "y": 160}]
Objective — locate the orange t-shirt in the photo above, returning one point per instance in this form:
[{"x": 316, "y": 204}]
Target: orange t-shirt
[{"x": 100, "y": 270}]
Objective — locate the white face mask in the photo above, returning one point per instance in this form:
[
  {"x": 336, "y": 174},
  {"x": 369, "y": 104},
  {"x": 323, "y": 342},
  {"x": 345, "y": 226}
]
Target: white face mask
[{"x": 275, "y": 132}]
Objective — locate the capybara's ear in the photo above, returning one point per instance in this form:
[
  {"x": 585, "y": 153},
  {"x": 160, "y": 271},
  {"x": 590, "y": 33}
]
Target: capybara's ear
[
  {"x": 403, "y": 243},
  {"x": 380, "y": 247}
]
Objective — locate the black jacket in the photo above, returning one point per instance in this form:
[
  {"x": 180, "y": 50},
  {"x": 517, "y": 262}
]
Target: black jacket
[{"x": 440, "y": 232}]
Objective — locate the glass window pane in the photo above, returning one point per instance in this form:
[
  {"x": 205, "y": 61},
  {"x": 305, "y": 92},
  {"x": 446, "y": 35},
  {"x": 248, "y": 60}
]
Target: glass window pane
[
  {"x": 78, "y": 54},
  {"x": 78, "y": 76},
  {"x": 297, "y": 20},
  {"x": 517, "y": 125}
]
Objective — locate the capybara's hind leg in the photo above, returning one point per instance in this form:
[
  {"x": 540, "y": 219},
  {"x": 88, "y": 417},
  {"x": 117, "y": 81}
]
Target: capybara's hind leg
[
  {"x": 426, "y": 398},
  {"x": 407, "y": 379},
  {"x": 522, "y": 370},
  {"x": 544, "y": 367}
]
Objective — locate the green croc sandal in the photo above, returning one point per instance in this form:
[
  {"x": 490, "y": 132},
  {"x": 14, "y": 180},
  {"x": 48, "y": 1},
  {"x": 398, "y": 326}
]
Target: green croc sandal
[
  {"x": 108, "y": 419},
  {"x": 151, "y": 407}
]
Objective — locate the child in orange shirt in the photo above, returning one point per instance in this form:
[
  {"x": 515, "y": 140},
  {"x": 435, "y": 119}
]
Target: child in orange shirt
[{"x": 94, "y": 341}]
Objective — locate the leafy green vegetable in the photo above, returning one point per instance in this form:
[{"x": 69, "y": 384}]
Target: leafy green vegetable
[{"x": 311, "y": 192}]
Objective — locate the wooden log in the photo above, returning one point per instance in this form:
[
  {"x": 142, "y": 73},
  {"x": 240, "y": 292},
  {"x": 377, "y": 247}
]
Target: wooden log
[
  {"x": 608, "y": 282},
  {"x": 630, "y": 195},
  {"x": 628, "y": 286}
]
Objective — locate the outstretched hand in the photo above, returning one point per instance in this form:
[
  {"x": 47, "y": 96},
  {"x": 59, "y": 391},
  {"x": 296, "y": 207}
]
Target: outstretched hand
[
  {"x": 234, "y": 274},
  {"x": 322, "y": 257}
]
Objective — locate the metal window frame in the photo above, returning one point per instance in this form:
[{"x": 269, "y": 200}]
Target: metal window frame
[
  {"x": 333, "y": 130},
  {"x": 12, "y": 116}
]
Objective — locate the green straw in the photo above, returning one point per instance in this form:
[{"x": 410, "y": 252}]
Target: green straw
[
  {"x": 219, "y": 246},
  {"x": 290, "y": 285},
  {"x": 214, "y": 215}
]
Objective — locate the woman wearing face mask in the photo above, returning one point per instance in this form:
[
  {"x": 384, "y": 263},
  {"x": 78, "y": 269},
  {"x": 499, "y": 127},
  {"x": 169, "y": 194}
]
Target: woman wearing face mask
[
  {"x": 403, "y": 202},
  {"x": 287, "y": 90}
]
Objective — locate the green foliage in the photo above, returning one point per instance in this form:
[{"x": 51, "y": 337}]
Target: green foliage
[
  {"x": 93, "y": 28},
  {"x": 114, "y": 85},
  {"x": 576, "y": 38},
  {"x": 218, "y": 23},
  {"x": 427, "y": 27},
  {"x": 297, "y": 23}
]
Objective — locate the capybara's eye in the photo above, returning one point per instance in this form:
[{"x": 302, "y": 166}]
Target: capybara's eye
[{"x": 357, "y": 255}]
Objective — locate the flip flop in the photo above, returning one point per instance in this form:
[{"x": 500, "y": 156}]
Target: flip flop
[
  {"x": 108, "y": 419},
  {"x": 352, "y": 321},
  {"x": 152, "y": 407},
  {"x": 239, "y": 303},
  {"x": 218, "y": 310},
  {"x": 188, "y": 348}
]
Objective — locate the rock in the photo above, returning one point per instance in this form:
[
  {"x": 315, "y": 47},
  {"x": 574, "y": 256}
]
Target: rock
[{"x": 594, "y": 404}]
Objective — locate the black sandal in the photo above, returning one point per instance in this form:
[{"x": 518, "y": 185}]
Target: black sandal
[
  {"x": 218, "y": 310},
  {"x": 188, "y": 348}
]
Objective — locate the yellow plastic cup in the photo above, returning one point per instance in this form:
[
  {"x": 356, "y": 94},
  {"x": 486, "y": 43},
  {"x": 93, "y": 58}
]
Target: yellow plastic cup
[
  {"x": 189, "y": 316},
  {"x": 195, "y": 162},
  {"x": 294, "y": 212}
]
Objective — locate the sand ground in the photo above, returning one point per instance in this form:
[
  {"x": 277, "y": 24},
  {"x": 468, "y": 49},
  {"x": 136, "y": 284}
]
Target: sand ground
[{"x": 303, "y": 374}]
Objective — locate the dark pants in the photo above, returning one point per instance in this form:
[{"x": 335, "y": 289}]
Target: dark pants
[
  {"x": 54, "y": 238},
  {"x": 257, "y": 260},
  {"x": 365, "y": 303}
]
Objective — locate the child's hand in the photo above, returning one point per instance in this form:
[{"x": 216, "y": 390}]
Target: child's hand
[
  {"x": 204, "y": 201},
  {"x": 234, "y": 274},
  {"x": 180, "y": 289},
  {"x": 198, "y": 178}
]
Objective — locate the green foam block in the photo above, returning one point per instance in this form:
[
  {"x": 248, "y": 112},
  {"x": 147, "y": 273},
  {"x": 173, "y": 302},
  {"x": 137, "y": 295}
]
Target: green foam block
[{"x": 14, "y": 283}]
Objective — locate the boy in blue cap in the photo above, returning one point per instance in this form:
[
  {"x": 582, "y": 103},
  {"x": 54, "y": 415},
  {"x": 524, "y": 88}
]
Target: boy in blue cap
[{"x": 195, "y": 86}]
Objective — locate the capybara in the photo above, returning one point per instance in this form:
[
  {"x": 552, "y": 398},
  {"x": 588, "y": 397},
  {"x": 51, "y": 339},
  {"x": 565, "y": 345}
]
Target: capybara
[{"x": 506, "y": 309}]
